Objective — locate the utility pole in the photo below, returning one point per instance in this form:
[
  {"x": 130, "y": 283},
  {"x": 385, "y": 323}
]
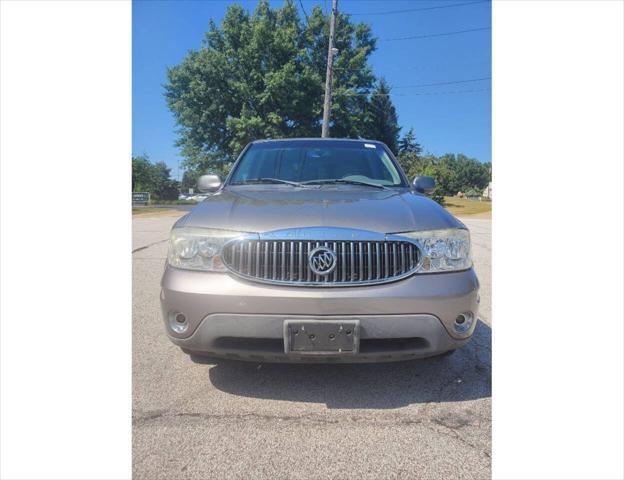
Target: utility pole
[{"x": 330, "y": 65}]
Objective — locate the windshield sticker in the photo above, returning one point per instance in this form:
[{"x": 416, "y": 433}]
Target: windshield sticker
[{"x": 369, "y": 145}]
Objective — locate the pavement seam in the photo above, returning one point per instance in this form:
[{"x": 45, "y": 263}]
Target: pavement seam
[
  {"x": 157, "y": 415},
  {"x": 150, "y": 245}
]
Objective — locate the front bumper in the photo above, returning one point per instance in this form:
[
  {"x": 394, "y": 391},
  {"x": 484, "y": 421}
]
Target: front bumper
[{"x": 235, "y": 318}]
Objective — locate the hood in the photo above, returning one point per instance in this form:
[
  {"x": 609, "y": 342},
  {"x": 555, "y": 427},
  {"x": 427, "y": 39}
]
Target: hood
[{"x": 263, "y": 208}]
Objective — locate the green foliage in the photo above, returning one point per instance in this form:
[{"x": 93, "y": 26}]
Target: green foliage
[
  {"x": 382, "y": 121},
  {"x": 261, "y": 75},
  {"x": 408, "y": 144},
  {"x": 202, "y": 165},
  {"x": 453, "y": 173},
  {"x": 153, "y": 178},
  {"x": 142, "y": 174}
]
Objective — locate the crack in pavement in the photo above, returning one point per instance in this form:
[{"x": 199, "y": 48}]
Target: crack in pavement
[
  {"x": 149, "y": 245},
  {"x": 157, "y": 415},
  {"x": 447, "y": 428}
]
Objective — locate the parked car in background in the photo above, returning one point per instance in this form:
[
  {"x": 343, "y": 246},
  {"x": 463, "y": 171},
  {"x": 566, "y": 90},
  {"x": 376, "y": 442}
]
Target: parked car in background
[{"x": 319, "y": 250}]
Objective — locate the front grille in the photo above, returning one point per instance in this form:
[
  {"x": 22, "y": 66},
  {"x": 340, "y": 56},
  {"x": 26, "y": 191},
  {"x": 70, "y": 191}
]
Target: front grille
[{"x": 286, "y": 261}]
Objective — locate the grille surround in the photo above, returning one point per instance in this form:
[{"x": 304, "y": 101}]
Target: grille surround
[{"x": 363, "y": 258}]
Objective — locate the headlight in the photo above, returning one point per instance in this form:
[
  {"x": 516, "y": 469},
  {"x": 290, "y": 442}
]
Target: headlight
[
  {"x": 443, "y": 250},
  {"x": 199, "y": 248}
]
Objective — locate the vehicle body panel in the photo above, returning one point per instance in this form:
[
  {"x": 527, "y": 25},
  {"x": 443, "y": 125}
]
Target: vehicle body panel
[
  {"x": 262, "y": 208},
  {"x": 237, "y": 317}
]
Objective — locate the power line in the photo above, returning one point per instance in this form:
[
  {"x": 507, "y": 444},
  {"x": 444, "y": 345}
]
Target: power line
[
  {"x": 422, "y": 9},
  {"x": 452, "y": 92},
  {"x": 304, "y": 11},
  {"x": 457, "y": 32},
  {"x": 421, "y": 85},
  {"x": 414, "y": 67},
  {"x": 452, "y": 82}
]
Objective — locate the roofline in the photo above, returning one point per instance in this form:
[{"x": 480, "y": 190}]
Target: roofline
[{"x": 316, "y": 139}]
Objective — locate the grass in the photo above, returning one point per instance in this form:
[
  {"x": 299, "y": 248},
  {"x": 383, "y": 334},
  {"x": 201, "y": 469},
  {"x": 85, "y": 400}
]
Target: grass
[
  {"x": 457, "y": 206},
  {"x": 174, "y": 202},
  {"x": 145, "y": 210},
  {"x": 462, "y": 206}
]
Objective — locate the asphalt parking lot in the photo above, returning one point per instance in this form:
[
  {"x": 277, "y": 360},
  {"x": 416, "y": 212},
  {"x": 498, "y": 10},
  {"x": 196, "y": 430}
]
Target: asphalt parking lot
[{"x": 425, "y": 419}]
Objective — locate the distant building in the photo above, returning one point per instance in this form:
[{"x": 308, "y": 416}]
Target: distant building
[
  {"x": 487, "y": 193},
  {"x": 473, "y": 195}
]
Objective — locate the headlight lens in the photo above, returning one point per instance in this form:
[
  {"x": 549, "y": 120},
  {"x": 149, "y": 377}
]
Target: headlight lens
[
  {"x": 443, "y": 250},
  {"x": 199, "y": 248}
]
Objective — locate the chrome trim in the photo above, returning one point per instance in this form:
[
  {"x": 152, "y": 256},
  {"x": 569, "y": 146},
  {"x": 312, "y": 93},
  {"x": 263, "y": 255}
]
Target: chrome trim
[
  {"x": 332, "y": 255},
  {"x": 335, "y": 234},
  {"x": 324, "y": 234}
]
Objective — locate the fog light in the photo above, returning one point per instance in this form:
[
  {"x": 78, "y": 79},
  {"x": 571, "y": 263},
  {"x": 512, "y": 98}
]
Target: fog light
[
  {"x": 178, "y": 322},
  {"x": 463, "y": 322}
]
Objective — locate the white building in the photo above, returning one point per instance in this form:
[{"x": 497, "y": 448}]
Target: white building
[{"x": 487, "y": 193}]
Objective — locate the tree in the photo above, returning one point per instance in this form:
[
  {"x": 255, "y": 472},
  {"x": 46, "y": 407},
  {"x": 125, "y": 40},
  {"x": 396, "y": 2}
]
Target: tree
[
  {"x": 153, "y": 178},
  {"x": 409, "y": 155},
  {"x": 164, "y": 188},
  {"x": 261, "y": 75},
  {"x": 382, "y": 121},
  {"x": 142, "y": 174},
  {"x": 452, "y": 173},
  {"x": 202, "y": 165},
  {"x": 408, "y": 143}
]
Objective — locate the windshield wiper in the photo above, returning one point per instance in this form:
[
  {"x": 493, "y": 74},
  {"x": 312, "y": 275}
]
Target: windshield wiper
[
  {"x": 344, "y": 181},
  {"x": 269, "y": 180}
]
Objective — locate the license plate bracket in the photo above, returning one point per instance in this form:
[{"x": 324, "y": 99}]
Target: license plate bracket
[{"x": 322, "y": 337}]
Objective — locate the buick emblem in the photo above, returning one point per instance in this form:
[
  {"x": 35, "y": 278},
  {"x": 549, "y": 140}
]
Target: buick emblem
[{"x": 322, "y": 260}]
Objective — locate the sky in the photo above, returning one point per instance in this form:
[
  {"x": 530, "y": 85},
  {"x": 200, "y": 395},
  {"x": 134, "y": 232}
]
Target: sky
[{"x": 454, "y": 117}]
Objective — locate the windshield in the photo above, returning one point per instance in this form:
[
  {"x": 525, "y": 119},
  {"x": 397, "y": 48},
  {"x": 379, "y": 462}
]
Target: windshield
[{"x": 317, "y": 162}]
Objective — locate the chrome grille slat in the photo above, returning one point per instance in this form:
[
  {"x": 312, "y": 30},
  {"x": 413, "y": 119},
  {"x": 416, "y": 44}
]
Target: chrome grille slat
[
  {"x": 257, "y": 259},
  {"x": 300, "y": 273},
  {"x": 292, "y": 261},
  {"x": 317, "y": 278},
  {"x": 334, "y": 275},
  {"x": 387, "y": 261},
  {"x": 283, "y": 261},
  {"x": 274, "y": 271},
  {"x": 249, "y": 258},
  {"x": 266, "y": 259},
  {"x": 309, "y": 272},
  {"x": 394, "y": 259},
  {"x": 402, "y": 258},
  {"x": 377, "y": 262},
  {"x": 286, "y": 261},
  {"x": 369, "y": 259}
]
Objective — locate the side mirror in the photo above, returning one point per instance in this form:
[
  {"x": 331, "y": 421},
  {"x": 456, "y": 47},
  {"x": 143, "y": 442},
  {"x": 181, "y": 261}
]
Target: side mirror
[
  {"x": 209, "y": 183},
  {"x": 424, "y": 184}
]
